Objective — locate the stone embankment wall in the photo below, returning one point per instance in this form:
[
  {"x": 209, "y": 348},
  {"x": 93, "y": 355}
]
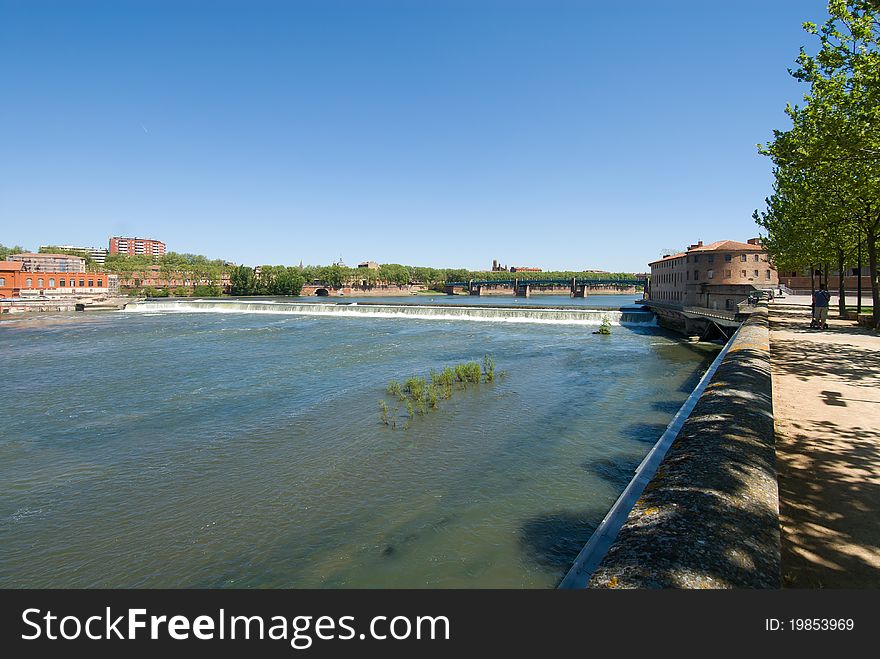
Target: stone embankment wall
[{"x": 709, "y": 518}]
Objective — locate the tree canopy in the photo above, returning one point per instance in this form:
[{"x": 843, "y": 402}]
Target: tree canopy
[{"x": 825, "y": 201}]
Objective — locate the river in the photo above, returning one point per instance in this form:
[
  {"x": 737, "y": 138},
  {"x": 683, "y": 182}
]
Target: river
[{"x": 146, "y": 448}]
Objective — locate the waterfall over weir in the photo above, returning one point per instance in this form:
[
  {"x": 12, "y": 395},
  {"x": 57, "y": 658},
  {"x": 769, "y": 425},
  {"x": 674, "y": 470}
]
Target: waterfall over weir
[{"x": 423, "y": 312}]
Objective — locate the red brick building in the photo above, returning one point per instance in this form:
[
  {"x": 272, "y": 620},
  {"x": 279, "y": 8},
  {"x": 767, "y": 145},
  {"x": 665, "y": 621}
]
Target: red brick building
[
  {"x": 136, "y": 246},
  {"x": 715, "y": 276},
  {"x": 16, "y": 282}
]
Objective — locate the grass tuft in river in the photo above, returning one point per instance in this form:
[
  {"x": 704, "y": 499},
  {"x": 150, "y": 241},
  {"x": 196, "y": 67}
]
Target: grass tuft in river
[{"x": 419, "y": 395}]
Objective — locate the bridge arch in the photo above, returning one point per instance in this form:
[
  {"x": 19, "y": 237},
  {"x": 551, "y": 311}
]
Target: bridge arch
[{"x": 322, "y": 292}]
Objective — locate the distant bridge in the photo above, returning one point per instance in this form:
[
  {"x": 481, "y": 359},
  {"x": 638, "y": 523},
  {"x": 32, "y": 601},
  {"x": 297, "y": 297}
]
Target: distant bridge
[{"x": 578, "y": 286}]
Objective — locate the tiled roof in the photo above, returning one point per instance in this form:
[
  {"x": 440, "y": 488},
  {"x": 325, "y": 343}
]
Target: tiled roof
[
  {"x": 11, "y": 265},
  {"x": 719, "y": 246},
  {"x": 728, "y": 246}
]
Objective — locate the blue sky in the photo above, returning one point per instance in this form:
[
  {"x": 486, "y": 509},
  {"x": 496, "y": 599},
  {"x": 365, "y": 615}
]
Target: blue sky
[{"x": 564, "y": 135}]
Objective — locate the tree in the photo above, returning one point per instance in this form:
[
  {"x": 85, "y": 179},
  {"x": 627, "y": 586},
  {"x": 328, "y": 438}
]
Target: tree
[
  {"x": 827, "y": 166},
  {"x": 6, "y": 252},
  {"x": 242, "y": 281}
]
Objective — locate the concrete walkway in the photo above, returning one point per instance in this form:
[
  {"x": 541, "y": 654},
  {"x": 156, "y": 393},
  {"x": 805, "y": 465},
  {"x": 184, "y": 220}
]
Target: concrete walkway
[{"x": 826, "y": 399}]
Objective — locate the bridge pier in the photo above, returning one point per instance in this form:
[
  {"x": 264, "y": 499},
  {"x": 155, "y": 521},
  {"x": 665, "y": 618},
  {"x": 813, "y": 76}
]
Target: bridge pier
[
  {"x": 522, "y": 290},
  {"x": 475, "y": 289},
  {"x": 578, "y": 290},
  {"x": 449, "y": 290}
]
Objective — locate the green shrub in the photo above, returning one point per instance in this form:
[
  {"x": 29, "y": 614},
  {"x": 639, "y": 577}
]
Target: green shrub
[
  {"x": 488, "y": 368},
  {"x": 468, "y": 373},
  {"x": 605, "y": 326},
  {"x": 419, "y": 395},
  {"x": 394, "y": 389},
  {"x": 206, "y": 291}
]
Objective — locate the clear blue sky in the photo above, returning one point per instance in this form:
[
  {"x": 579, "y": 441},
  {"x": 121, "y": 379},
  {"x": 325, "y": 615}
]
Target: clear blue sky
[{"x": 565, "y": 135}]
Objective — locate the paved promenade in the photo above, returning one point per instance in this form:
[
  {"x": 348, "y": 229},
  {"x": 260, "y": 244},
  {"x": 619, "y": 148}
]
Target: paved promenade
[{"x": 826, "y": 398}]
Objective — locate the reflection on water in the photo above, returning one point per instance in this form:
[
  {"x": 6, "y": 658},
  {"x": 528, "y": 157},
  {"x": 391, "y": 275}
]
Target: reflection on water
[{"x": 180, "y": 450}]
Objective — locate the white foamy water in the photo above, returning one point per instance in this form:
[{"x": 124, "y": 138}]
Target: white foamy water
[{"x": 421, "y": 312}]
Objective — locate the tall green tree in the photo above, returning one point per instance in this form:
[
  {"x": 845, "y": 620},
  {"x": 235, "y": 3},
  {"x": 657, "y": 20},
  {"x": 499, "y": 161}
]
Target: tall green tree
[{"x": 827, "y": 165}]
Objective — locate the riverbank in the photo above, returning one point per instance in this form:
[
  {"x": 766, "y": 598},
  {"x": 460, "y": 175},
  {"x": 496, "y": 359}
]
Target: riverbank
[
  {"x": 826, "y": 395},
  {"x": 709, "y": 517}
]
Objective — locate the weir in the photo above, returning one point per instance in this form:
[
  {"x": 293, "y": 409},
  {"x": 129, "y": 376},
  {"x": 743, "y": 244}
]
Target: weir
[{"x": 625, "y": 317}]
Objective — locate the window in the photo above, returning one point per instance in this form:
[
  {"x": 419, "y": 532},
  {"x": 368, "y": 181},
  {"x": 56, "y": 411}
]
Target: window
[
  {"x": 766, "y": 274},
  {"x": 2, "y": 281},
  {"x": 710, "y": 274},
  {"x": 757, "y": 258},
  {"x": 696, "y": 275},
  {"x": 728, "y": 258},
  {"x": 756, "y": 273},
  {"x": 61, "y": 283},
  {"x": 100, "y": 283},
  {"x": 29, "y": 282},
  {"x": 91, "y": 283},
  {"x": 711, "y": 258},
  {"x": 82, "y": 282},
  {"x": 688, "y": 277},
  {"x": 696, "y": 258},
  {"x": 51, "y": 282},
  {"x": 40, "y": 282},
  {"x": 728, "y": 304},
  {"x": 743, "y": 275},
  {"x": 744, "y": 258},
  {"x": 727, "y": 274}
]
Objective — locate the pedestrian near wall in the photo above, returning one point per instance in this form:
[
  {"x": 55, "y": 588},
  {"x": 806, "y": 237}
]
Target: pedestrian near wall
[{"x": 821, "y": 300}]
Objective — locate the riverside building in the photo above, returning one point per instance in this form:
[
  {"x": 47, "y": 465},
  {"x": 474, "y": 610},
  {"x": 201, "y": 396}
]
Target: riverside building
[
  {"x": 715, "y": 276},
  {"x": 16, "y": 282}
]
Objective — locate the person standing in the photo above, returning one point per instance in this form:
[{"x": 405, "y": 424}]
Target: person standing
[{"x": 821, "y": 300}]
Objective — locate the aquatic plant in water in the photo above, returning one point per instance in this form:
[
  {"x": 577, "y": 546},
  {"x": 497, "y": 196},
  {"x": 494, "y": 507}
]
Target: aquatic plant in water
[{"x": 419, "y": 395}]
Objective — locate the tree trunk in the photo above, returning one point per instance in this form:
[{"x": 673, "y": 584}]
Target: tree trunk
[
  {"x": 812, "y": 283},
  {"x": 875, "y": 279},
  {"x": 841, "y": 285},
  {"x": 859, "y": 277}
]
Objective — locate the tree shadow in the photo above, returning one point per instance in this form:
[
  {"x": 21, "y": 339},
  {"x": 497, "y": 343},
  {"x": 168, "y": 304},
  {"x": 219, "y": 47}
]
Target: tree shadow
[
  {"x": 830, "y": 506},
  {"x": 554, "y": 540},
  {"x": 644, "y": 432},
  {"x": 617, "y": 470},
  {"x": 851, "y": 363}
]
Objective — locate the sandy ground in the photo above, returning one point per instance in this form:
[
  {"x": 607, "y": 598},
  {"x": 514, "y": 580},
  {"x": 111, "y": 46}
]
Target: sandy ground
[{"x": 826, "y": 399}]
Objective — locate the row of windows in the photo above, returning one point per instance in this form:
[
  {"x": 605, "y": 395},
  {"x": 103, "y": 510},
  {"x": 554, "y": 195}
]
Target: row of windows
[
  {"x": 710, "y": 258},
  {"x": 62, "y": 283},
  {"x": 674, "y": 296},
  {"x": 710, "y": 274}
]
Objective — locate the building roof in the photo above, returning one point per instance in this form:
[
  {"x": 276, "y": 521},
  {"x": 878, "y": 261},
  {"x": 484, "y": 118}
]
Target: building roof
[
  {"x": 728, "y": 246},
  {"x": 718, "y": 246},
  {"x": 30, "y": 255},
  {"x": 6, "y": 266}
]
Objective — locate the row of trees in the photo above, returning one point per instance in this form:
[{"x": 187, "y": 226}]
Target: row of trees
[
  {"x": 825, "y": 206},
  {"x": 193, "y": 266},
  {"x": 282, "y": 280}
]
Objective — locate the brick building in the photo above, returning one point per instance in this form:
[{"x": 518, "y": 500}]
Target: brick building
[
  {"x": 156, "y": 277},
  {"x": 715, "y": 276},
  {"x": 136, "y": 246},
  {"x": 16, "y": 282}
]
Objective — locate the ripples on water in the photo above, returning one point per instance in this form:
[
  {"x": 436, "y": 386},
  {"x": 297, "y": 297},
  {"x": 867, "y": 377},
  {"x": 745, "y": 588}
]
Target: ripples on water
[{"x": 179, "y": 450}]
